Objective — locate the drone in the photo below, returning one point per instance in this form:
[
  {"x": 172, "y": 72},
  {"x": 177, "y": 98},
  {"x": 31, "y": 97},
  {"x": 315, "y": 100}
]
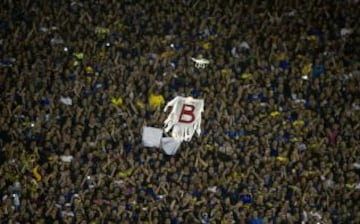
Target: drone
[{"x": 200, "y": 62}]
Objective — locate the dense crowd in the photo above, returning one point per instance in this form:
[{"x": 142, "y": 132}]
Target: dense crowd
[{"x": 280, "y": 133}]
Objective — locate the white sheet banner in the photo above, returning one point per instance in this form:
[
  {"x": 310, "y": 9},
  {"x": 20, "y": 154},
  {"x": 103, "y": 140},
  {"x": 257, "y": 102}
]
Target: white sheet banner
[
  {"x": 151, "y": 137},
  {"x": 185, "y": 117},
  {"x": 170, "y": 145}
]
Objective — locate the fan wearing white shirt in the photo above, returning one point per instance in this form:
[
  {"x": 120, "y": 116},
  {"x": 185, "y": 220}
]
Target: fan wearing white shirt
[{"x": 67, "y": 158}]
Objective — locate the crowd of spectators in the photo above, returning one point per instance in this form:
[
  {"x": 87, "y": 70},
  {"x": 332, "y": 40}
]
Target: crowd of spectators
[{"x": 280, "y": 134}]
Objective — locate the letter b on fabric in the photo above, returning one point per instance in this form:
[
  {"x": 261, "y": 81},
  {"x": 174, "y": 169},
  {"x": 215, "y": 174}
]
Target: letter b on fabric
[
  {"x": 187, "y": 114},
  {"x": 185, "y": 117}
]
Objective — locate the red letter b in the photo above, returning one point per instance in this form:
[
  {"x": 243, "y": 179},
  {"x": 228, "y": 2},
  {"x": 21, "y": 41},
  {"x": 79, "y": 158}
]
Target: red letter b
[{"x": 187, "y": 112}]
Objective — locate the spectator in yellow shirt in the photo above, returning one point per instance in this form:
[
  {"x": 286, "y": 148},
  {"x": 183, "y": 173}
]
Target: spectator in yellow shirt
[
  {"x": 117, "y": 101},
  {"x": 156, "y": 100}
]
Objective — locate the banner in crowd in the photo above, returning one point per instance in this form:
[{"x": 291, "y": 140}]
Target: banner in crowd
[
  {"x": 153, "y": 138},
  {"x": 170, "y": 145},
  {"x": 185, "y": 117}
]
